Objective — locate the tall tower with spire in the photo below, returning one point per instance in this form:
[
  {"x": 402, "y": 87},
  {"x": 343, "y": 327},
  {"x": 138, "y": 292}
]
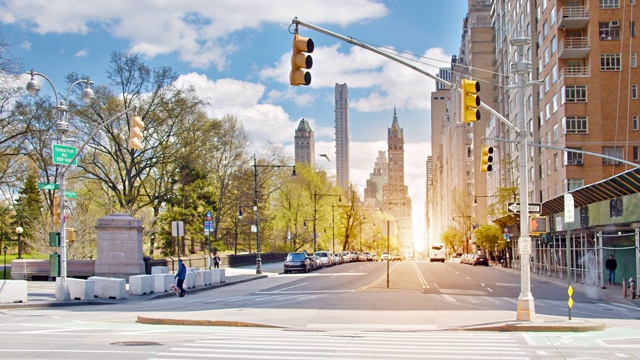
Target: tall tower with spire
[
  {"x": 305, "y": 151},
  {"x": 395, "y": 195}
]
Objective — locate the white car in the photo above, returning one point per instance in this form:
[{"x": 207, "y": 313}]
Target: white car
[{"x": 325, "y": 257}]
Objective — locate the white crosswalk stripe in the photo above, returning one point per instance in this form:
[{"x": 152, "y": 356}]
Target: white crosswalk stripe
[{"x": 292, "y": 344}]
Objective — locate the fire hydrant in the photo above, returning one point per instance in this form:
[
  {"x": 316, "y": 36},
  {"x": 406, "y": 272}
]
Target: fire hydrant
[
  {"x": 632, "y": 288},
  {"x": 624, "y": 288}
]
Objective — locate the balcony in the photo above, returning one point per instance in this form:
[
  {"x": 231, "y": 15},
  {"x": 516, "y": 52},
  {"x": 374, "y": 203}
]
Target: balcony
[
  {"x": 573, "y": 17},
  {"x": 575, "y": 71},
  {"x": 574, "y": 48}
]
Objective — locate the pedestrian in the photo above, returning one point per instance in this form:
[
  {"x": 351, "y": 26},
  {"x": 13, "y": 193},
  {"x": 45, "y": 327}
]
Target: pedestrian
[
  {"x": 181, "y": 275},
  {"x": 216, "y": 261},
  {"x": 611, "y": 264}
]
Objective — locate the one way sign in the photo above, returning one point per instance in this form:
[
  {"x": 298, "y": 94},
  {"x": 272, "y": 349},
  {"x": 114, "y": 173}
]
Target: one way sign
[{"x": 534, "y": 208}]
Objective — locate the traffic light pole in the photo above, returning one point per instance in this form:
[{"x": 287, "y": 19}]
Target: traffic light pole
[{"x": 62, "y": 294}]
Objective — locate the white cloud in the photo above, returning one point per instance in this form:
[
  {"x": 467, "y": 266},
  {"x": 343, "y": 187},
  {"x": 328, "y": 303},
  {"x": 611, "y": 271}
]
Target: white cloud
[
  {"x": 197, "y": 30},
  {"x": 82, "y": 53},
  {"x": 25, "y": 45}
]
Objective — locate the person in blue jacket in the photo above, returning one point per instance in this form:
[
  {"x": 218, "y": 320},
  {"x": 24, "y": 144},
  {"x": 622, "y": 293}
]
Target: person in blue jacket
[{"x": 181, "y": 275}]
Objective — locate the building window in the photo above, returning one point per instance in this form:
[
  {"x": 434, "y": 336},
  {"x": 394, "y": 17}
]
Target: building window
[
  {"x": 632, "y": 26},
  {"x": 554, "y": 45},
  {"x": 608, "y": 32},
  {"x": 608, "y": 4},
  {"x": 545, "y": 29},
  {"x": 553, "y": 16},
  {"x": 541, "y": 172},
  {"x": 554, "y": 74},
  {"x": 545, "y": 56},
  {"x": 634, "y": 60},
  {"x": 547, "y": 110},
  {"x": 616, "y": 152},
  {"x": 554, "y": 103},
  {"x": 556, "y": 133},
  {"x": 634, "y": 91},
  {"x": 556, "y": 161},
  {"x": 576, "y": 125},
  {"x": 573, "y": 158},
  {"x": 575, "y": 93},
  {"x": 634, "y": 123},
  {"x": 547, "y": 85},
  {"x": 610, "y": 62},
  {"x": 636, "y": 156},
  {"x": 548, "y": 167},
  {"x": 573, "y": 184}
]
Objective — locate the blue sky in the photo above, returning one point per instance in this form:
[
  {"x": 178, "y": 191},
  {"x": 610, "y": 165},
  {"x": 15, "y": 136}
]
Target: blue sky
[{"x": 237, "y": 54}]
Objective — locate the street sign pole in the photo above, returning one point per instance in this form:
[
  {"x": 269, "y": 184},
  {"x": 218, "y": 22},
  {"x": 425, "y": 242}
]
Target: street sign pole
[{"x": 569, "y": 218}]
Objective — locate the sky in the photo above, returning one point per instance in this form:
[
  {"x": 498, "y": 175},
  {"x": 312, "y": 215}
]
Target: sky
[{"x": 237, "y": 55}]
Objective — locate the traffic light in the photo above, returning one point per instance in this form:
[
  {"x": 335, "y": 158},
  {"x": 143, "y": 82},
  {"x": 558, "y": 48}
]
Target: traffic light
[
  {"x": 538, "y": 225},
  {"x": 135, "y": 133},
  {"x": 486, "y": 165},
  {"x": 470, "y": 100},
  {"x": 301, "y": 61},
  {"x": 71, "y": 235},
  {"x": 56, "y": 210}
]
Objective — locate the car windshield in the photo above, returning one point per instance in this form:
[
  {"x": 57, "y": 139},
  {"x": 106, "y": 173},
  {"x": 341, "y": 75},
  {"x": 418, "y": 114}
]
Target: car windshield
[
  {"x": 322, "y": 254},
  {"x": 295, "y": 256}
]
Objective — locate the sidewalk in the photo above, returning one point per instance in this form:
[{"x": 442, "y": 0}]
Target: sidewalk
[{"x": 43, "y": 293}]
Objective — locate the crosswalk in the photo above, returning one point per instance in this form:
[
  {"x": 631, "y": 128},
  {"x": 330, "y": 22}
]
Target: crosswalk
[{"x": 296, "y": 344}]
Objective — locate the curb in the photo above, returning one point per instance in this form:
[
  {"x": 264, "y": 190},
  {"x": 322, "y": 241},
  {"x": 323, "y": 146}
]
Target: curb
[
  {"x": 155, "y": 321},
  {"x": 565, "y": 326}
]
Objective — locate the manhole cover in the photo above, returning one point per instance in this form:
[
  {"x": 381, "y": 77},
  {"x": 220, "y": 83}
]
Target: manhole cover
[{"x": 134, "y": 343}]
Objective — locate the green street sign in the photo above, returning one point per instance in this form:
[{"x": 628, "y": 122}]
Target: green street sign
[
  {"x": 48, "y": 186},
  {"x": 62, "y": 154},
  {"x": 70, "y": 194}
]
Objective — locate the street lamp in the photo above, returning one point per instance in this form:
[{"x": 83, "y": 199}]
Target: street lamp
[
  {"x": 4, "y": 248},
  {"x": 33, "y": 87},
  {"x": 255, "y": 206},
  {"x": 19, "y": 231},
  {"x": 315, "y": 215}
]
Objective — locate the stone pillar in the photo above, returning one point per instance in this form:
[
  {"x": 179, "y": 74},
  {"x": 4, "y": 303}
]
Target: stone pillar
[{"x": 119, "y": 242}]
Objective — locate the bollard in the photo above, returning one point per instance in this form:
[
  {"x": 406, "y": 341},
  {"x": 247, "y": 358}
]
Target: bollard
[
  {"x": 632, "y": 285},
  {"x": 624, "y": 288}
]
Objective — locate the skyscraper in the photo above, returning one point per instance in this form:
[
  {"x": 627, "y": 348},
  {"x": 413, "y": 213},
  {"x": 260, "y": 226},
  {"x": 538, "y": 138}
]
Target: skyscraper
[
  {"x": 342, "y": 135},
  {"x": 304, "y": 144},
  {"x": 395, "y": 196}
]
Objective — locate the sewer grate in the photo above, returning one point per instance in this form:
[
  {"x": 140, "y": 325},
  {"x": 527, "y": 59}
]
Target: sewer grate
[{"x": 135, "y": 343}]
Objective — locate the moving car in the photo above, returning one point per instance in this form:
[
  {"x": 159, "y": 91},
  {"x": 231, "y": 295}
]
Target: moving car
[
  {"x": 297, "y": 261},
  {"x": 481, "y": 259},
  {"x": 397, "y": 257}
]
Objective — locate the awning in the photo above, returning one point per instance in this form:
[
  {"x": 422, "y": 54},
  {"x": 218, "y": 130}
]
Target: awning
[{"x": 625, "y": 183}]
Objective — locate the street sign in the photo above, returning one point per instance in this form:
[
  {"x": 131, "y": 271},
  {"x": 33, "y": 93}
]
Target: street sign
[
  {"x": 534, "y": 208},
  {"x": 62, "y": 154},
  {"x": 208, "y": 225},
  {"x": 525, "y": 245},
  {"x": 177, "y": 228},
  {"x": 208, "y": 215},
  {"x": 568, "y": 208},
  {"x": 48, "y": 186},
  {"x": 70, "y": 194}
]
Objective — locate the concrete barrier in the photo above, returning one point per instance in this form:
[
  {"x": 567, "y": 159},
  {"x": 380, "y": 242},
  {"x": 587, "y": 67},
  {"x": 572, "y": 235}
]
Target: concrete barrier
[
  {"x": 159, "y": 270},
  {"x": 110, "y": 288},
  {"x": 13, "y": 291},
  {"x": 190, "y": 280},
  {"x": 218, "y": 276},
  {"x": 141, "y": 284},
  {"x": 203, "y": 277},
  {"x": 208, "y": 277},
  {"x": 162, "y": 282},
  {"x": 80, "y": 289}
]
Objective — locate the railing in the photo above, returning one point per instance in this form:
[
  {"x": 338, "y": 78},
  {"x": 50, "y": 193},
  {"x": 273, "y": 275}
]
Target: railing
[
  {"x": 574, "y": 43},
  {"x": 575, "y": 71},
  {"x": 574, "y": 12}
]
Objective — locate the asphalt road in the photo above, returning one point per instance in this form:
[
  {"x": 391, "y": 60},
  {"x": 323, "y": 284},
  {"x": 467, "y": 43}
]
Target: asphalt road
[{"x": 344, "y": 311}]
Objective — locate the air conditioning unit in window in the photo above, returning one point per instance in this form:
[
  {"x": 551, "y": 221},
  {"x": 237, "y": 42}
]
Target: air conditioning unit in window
[{"x": 614, "y": 23}]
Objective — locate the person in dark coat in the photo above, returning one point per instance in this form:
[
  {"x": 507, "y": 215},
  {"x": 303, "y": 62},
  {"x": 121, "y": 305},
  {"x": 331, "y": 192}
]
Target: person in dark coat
[
  {"x": 181, "y": 275},
  {"x": 611, "y": 264}
]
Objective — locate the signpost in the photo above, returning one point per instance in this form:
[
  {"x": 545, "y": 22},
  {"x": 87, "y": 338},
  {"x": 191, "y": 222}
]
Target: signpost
[
  {"x": 534, "y": 208},
  {"x": 569, "y": 211},
  {"x": 62, "y": 154},
  {"x": 208, "y": 228},
  {"x": 177, "y": 230}
]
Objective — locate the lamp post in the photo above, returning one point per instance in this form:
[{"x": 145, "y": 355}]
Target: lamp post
[
  {"x": 19, "y": 231},
  {"x": 315, "y": 215},
  {"x": 33, "y": 87},
  {"x": 4, "y": 249},
  {"x": 255, "y": 206}
]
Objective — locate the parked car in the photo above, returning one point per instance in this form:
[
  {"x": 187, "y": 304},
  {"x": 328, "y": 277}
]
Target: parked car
[
  {"x": 481, "y": 259},
  {"x": 470, "y": 259},
  {"x": 346, "y": 256},
  {"x": 385, "y": 256},
  {"x": 315, "y": 262},
  {"x": 297, "y": 261},
  {"x": 374, "y": 257},
  {"x": 396, "y": 257},
  {"x": 325, "y": 257}
]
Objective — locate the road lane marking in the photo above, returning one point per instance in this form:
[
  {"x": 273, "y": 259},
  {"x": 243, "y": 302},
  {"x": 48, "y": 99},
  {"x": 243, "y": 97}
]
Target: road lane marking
[
  {"x": 422, "y": 280},
  {"x": 377, "y": 281}
]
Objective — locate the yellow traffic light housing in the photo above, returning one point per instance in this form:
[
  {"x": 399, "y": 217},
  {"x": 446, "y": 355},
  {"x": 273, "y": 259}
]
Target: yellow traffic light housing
[
  {"x": 301, "y": 61},
  {"x": 470, "y": 100},
  {"x": 71, "y": 237},
  {"x": 486, "y": 164},
  {"x": 135, "y": 133},
  {"x": 56, "y": 210}
]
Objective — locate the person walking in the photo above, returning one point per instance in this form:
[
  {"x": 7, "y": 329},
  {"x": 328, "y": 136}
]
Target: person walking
[
  {"x": 181, "y": 275},
  {"x": 216, "y": 261},
  {"x": 611, "y": 264}
]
